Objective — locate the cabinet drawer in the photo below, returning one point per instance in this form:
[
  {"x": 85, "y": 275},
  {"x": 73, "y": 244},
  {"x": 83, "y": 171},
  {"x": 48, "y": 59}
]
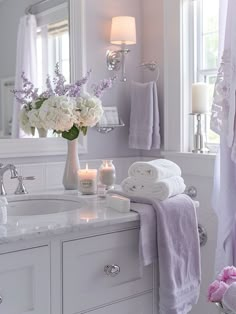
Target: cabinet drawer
[
  {"x": 86, "y": 285},
  {"x": 25, "y": 282},
  {"x": 138, "y": 305}
]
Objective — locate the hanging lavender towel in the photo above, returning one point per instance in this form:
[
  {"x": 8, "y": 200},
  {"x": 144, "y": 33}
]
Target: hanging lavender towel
[
  {"x": 178, "y": 250},
  {"x": 148, "y": 231},
  {"x": 144, "y": 117}
]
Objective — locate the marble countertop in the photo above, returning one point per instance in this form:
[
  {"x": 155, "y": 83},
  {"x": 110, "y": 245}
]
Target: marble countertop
[{"x": 93, "y": 214}]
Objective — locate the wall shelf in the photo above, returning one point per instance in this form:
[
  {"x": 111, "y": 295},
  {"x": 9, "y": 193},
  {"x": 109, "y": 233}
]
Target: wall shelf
[{"x": 107, "y": 128}]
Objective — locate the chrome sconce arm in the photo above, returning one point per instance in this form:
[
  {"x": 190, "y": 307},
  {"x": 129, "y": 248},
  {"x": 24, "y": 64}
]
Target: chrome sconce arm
[
  {"x": 116, "y": 60},
  {"x": 123, "y": 33}
]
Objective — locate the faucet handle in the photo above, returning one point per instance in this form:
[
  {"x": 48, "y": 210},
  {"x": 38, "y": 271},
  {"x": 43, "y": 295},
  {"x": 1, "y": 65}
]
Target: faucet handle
[
  {"x": 31, "y": 178},
  {"x": 21, "y": 188}
]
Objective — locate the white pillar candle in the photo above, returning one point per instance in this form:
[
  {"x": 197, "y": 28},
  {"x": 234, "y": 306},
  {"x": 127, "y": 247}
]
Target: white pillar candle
[
  {"x": 200, "y": 98},
  {"x": 88, "y": 180}
]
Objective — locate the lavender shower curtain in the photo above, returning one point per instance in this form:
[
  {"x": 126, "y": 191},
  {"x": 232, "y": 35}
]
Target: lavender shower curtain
[
  {"x": 26, "y": 61},
  {"x": 223, "y": 123}
]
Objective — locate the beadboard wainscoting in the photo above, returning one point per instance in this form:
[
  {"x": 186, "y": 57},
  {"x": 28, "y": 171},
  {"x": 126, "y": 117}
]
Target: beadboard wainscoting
[{"x": 49, "y": 175}]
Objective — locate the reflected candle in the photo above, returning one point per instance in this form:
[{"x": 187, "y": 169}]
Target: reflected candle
[{"x": 87, "y": 181}]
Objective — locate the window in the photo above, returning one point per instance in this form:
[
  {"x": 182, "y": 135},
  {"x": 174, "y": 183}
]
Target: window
[
  {"x": 53, "y": 47},
  {"x": 206, "y": 36}
]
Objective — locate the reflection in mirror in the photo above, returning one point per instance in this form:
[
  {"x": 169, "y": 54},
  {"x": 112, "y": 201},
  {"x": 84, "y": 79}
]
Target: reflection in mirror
[{"x": 36, "y": 36}]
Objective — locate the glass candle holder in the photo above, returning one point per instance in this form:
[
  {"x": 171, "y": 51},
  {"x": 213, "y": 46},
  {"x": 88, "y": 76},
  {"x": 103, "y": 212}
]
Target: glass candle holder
[
  {"x": 88, "y": 181},
  {"x": 107, "y": 174}
]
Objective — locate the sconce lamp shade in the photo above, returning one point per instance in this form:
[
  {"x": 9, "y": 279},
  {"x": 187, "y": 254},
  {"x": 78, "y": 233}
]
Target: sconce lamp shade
[{"x": 123, "y": 30}]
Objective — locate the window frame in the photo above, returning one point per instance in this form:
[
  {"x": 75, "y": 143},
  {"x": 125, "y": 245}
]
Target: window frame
[{"x": 178, "y": 76}]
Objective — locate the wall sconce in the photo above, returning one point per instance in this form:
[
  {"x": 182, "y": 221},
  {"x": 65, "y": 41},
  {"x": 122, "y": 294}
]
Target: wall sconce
[{"x": 123, "y": 32}]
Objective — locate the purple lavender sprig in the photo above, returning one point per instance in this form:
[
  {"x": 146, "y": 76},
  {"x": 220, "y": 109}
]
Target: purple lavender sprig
[
  {"x": 99, "y": 89},
  {"x": 59, "y": 80},
  {"x": 28, "y": 93},
  {"x": 75, "y": 89},
  {"x": 49, "y": 91}
]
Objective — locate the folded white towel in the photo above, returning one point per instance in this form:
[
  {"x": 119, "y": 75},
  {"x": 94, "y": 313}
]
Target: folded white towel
[
  {"x": 160, "y": 190},
  {"x": 229, "y": 298},
  {"x": 155, "y": 170}
]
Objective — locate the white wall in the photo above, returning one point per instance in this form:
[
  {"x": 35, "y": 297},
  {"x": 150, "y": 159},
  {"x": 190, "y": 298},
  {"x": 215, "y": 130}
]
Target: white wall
[{"x": 98, "y": 24}]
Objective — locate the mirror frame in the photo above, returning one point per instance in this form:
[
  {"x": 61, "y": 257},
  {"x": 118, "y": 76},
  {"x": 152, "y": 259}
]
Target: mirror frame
[{"x": 56, "y": 146}]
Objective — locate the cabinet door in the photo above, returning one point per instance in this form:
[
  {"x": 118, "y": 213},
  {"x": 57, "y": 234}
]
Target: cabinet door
[
  {"x": 25, "y": 282},
  {"x": 86, "y": 284},
  {"x": 139, "y": 305}
]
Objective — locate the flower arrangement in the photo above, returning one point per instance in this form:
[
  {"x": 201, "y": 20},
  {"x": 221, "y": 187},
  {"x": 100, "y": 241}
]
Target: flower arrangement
[
  {"x": 62, "y": 107},
  {"x": 222, "y": 291}
]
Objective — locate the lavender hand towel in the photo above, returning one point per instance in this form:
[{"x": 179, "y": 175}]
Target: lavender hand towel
[
  {"x": 148, "y": 231},
  {"x": 178, "y": 250},
  {"x": 144, "y": 117}
]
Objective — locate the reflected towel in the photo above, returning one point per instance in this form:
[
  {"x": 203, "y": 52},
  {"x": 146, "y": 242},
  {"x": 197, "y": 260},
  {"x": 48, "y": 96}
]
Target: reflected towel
[
  {"x": 144, "y": 117},
  {"x": 160, "y": 190},
  {"x": 154, "y": 170}
]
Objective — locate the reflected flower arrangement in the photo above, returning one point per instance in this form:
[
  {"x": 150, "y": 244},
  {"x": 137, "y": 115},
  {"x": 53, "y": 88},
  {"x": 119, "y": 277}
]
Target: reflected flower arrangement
[{"x": 63, "y": 108}]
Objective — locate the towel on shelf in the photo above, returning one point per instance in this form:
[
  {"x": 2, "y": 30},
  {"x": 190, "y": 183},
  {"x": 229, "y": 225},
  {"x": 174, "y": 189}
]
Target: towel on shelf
[
  {"x": 160, "y": 190},
  {"x": 229, "y": 298},
  {"x": 144, "y": 130},
  {"x": 154, "y": 170},
  {"x": 178, "y": 249}
]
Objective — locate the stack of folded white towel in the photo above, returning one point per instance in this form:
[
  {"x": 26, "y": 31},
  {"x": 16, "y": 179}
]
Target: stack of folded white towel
[{"x": 159, "y": 178}]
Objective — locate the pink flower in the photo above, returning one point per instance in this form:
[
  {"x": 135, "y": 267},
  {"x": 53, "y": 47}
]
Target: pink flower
[
  {"x": 228, "y": 275},
  {"x": 216, "y": 291}
]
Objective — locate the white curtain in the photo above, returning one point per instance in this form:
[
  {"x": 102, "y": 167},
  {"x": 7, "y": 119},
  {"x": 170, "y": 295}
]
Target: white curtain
[
  {"x": 26, "y": 61},
  {"x": 223, "y": 122}
]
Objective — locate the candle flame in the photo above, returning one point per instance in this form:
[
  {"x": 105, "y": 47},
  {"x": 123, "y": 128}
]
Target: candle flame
[{"x": 86, "y": 167}]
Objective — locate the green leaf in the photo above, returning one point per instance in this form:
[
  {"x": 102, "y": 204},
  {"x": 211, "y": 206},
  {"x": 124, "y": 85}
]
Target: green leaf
[
  {"x": 72, "y": 134},
  {"x": 32, "y": 130},
  {"x": 39, "y": 102},
  {"x": 84, "y": 130}
]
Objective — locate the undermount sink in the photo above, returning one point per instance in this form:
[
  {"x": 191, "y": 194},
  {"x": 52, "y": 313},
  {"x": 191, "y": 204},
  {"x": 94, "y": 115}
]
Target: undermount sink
[{"x": 31, "y": 205}]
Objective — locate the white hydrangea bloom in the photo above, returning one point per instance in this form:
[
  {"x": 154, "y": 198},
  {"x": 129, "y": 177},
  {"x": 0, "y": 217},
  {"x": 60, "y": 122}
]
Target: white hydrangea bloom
[
  {"x": 24, "y": 121},
  {"x": 34, "y": 118},
  {"x": 88, "y": 111},
  {"x": 56, "y": 113}
]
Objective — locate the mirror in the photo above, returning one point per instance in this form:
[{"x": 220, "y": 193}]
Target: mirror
[{"x": 34, "y": 49}]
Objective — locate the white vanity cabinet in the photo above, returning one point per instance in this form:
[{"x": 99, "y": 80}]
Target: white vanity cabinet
[
  {"x": 25, "y": 281},
  {"x": 103, "y": 270},
  {"x": 96, "y": 271}
]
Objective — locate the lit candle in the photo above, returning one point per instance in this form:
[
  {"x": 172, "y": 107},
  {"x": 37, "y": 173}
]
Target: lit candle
[
  {"x": 107, "y": 173},
  {"x": 200, "y": 98},
  {"x": 88, "y": 180}
]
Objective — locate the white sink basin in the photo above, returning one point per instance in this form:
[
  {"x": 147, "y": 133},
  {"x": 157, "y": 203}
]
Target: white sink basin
[{"x": 30, "y": 205}]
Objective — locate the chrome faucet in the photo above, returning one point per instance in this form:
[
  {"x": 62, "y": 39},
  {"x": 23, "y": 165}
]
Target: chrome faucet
[{"x": 3, "y": 169}]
